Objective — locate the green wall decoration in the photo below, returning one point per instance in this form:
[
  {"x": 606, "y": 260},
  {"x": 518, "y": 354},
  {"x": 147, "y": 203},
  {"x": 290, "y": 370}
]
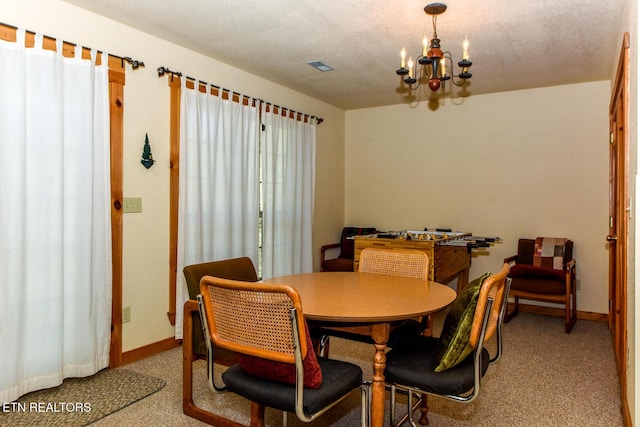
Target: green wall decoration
[{"x": 147, "y": 158}]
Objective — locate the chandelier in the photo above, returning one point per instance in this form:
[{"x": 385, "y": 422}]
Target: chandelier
[{"x": 432, "y": 63}]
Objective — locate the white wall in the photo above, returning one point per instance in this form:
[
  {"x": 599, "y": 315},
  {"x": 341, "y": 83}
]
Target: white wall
[
  {"x": 514, "y": 164},
  {"x": 146, "y": 110}
]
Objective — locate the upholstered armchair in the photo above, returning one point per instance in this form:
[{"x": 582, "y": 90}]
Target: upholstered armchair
[
  {"x": 194, "y": 346},
  {"x": 544, "y": 270},
  {"x": 344, "y": 261},
  {"x": 236, "y": 269}
]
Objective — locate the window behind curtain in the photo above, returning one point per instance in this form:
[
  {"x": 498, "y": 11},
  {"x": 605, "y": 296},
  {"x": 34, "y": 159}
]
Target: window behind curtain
[{"x": 240, "y": 191}]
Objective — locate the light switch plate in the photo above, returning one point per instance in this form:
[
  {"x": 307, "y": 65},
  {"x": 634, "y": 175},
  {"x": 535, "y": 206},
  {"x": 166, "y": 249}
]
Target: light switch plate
[
  {"x": 126, "y": 314},
  {"x": 132, "y": 205}
]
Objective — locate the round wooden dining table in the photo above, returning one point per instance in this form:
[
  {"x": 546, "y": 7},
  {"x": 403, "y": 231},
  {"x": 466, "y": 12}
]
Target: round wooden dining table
[{"x": 368, "y": 303}]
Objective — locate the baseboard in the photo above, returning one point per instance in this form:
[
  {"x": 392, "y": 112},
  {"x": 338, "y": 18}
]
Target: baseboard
[
  {"x": 559, "y": 312},
  {"x": 149, "y": 350}
]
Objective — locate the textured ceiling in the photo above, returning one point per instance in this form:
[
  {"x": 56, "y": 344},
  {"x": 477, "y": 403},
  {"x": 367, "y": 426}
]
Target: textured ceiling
[{"x": 514, "y": 44}]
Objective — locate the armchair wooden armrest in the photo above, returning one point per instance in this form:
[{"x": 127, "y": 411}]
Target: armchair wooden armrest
[
  {"x": 571, "y": 276},
  {"x": 510, "y": 259},
  {"x": 325, "y": 248},
  {"x": 188, "y": 406}
]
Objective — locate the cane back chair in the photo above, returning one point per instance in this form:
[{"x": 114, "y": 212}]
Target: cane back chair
[
  {"x": 265, "y": 325},
  {"x": 451, "y": 366},
  {"x": 400, "y": 262}
]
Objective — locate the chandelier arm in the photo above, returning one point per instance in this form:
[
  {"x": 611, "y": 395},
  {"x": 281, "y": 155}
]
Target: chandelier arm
[
  {"x": 459, "y": 83},
  {"x": 419, "y": 71},
  {"x": 417, "y": 83}
]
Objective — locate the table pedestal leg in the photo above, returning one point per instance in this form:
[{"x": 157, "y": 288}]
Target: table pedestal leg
[
  {"x": 463, "y": 280},
  {"x": 380, "y": 335}
]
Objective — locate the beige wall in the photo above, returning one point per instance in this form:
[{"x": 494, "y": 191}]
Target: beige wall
[
  {"x": 514, "y": 164},
  {"x": 146, "y": 235}
]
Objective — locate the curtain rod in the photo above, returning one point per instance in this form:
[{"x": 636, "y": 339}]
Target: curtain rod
[
  {"x": 164, "y": 70},
  {"x": 135, "y": 64}
]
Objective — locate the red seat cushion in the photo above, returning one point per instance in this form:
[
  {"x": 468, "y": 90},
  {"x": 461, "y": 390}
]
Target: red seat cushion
[
  {"x": 538, "y": 286},
  {"x": 524, "y": 270},
  {"x": 537, "y": 280},
  {"x": 284, "y": 372}
]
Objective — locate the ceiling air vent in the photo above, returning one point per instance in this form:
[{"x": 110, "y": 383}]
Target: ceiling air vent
[{"x": 319, "y": 65}]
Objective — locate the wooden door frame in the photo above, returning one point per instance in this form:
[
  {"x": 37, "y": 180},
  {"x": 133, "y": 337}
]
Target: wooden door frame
[
  {"x": 619, "y": 137},
  {"x": 116, "y": 115}
]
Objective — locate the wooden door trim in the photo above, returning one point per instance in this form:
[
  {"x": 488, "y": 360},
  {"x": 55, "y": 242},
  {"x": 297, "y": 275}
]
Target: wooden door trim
[
  {"x": 619, "y": 108},
  {"x": 174, "y": 185},
  {"x": 116, "y": 123}
]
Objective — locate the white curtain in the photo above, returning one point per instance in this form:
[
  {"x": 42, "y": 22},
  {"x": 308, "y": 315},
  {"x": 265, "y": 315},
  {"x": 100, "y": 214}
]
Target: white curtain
[
  {"x": 288, "y": 179},
  {"x": 218, "y": 207},
  {"x": 55, "y": 232}
]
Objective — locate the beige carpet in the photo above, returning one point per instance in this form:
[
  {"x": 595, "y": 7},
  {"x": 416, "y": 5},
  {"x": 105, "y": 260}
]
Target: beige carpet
[
  {"x": 545, "y": 378},
  {"x": 81, "y": 401}
]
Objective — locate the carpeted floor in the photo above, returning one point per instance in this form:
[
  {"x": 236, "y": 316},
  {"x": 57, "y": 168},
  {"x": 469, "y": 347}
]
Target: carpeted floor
[
  {"x": 545, "y": 378},
  {"x": 81, "y": 401}
]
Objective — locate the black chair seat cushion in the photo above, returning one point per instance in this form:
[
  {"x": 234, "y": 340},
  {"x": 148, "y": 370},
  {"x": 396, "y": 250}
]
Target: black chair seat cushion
[
  {"x": 338, "y": 264},
  {"x": 538, "y": 286},
  {"x": 412, "y": 364},
  {"x": 338, "y": 379}
]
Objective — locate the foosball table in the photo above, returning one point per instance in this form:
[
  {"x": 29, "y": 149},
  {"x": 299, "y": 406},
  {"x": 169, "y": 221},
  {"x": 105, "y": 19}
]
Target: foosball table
[{"x": 449, "y": 252}]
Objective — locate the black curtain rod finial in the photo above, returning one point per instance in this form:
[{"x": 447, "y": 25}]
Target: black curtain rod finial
[
  {"x": 164, "y": 70},
  {"x": 135, "y": 64}
]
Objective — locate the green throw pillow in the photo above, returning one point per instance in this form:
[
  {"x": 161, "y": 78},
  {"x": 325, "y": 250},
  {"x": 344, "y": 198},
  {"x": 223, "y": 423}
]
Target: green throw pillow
[{"x": 454, "y": 339}]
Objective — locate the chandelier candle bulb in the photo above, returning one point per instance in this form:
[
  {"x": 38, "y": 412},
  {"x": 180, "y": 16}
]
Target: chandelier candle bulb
[
  {"x": 403, "y": 55},
  {"x": 465, "y": 49},
  {"x": 410, "y": 65},
  {"x": 444, "y": 67},
  {"x": 425, "y": 45}
]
